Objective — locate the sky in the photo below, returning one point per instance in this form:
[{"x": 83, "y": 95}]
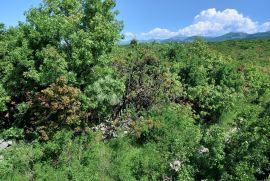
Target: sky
[{"x": 161, "y": 19}]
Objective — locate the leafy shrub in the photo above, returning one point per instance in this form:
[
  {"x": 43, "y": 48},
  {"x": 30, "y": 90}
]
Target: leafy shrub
[
  {"x": 55, "y": 107},
  {"x": 134, "y": 42},
  {"x": 4, "y": 98},
  {"x": 60, "y": 38},
  {"x": 12, "y": 133}
]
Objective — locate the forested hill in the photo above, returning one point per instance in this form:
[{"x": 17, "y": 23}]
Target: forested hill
[{"x": 225, "y": 37}]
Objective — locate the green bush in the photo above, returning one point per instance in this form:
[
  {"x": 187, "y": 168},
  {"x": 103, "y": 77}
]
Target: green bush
[
  {"x": 4, "y": 98},
  {"x": 174, "y": 111},
  {"x": 12, "y": 133}
]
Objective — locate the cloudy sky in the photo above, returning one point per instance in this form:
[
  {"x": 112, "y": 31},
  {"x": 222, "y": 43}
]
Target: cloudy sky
[
  {"x": 160, "y": 19},
  {"x": 147, "y": 19},
  {"x": 209, "y": 22}
]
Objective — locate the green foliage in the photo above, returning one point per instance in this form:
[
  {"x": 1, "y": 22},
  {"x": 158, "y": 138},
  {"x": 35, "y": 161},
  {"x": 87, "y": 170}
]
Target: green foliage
[
  {"x": 12, "y": 133},
  {"x": 254, "y": 53},
  {"x": 173, "y": 132},
  {"x": 197, "y": 108},
  {"x": 88, "y": 157},
  {"x": 3, "y": 98},
  {"x": 61, "y": 38},
  {"x": 134, "y": 42},
  {"x": 173, "y": 111},
  {"x": 105, "y": 94}
]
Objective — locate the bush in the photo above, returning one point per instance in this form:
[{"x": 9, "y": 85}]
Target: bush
[
  {"x": 4, "y": 98},
  {"x": 53, "y": 108},
  {"x": 134, "y": 42},
  {"x": 12, "y": 133}
]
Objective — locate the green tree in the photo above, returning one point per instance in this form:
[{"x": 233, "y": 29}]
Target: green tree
[
  {"x": 134, "y": 42},
  {"x": 67, "y": 38}
]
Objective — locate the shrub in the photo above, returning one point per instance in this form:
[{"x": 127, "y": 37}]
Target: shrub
[
  {"x": 4, "y": 98},
  {"x": 53, "y": 108},
  {"x": 134, "y": 42},
  {"x": 12, "y": 133}
]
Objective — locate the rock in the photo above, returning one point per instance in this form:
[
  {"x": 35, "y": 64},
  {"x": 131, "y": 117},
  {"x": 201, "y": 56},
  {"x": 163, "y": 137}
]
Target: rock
[
  {"x": 108, "y": 130},
  {"x": 5, "y": 144},
  {"x": 203, "y": 150},
  {"x": 166, "y": 178},
  {"x": 230, "y": 133},
  {"x": 176, "y": 165}
]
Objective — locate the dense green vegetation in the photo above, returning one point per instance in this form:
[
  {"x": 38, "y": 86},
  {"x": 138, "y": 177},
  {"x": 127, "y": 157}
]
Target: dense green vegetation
[
  {"x": 253, "y": 53},
  {"x": 79, "y": 107}
]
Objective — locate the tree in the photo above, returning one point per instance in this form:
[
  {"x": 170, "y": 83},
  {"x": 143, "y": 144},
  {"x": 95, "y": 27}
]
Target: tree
[
  {"x": 62, "y": 38},
  {"x": 134, "y": 42}
]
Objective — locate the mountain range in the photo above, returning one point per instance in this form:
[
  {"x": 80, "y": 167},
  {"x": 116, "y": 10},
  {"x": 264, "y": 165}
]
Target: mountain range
[
  {"x": 228, "y": 36},
  {"x": 225, "y": 37}
]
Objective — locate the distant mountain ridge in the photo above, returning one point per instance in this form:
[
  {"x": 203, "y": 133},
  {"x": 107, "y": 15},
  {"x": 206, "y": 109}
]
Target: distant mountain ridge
[{"x": 225, "y": 37}]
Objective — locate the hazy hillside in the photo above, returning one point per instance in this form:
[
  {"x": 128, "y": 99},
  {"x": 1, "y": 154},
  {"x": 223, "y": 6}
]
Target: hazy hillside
[{"x": 228, "y": 36}]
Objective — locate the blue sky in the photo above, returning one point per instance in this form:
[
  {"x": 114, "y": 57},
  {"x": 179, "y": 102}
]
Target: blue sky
[{"x": 146, "y": 19}]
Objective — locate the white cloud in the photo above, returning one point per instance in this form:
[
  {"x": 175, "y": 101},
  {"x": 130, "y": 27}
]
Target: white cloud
[
  {"x": 159, "y": 33},
  {"x": 265, "y": 27},
  {"x": 201, "y": 28},
  {"x": 129, "y": 35},
  {"x": 212, "y": 22}
]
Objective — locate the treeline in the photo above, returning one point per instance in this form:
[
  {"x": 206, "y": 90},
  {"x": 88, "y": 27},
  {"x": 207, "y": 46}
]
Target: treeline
[{"x": 82, "y": 108}]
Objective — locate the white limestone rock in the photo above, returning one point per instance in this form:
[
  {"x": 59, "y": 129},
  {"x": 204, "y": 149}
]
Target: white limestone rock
[
  {"x": 5, "y": 144},
  {"x": 176, "y": 165},
  {"x": 203, "y": 150}
]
